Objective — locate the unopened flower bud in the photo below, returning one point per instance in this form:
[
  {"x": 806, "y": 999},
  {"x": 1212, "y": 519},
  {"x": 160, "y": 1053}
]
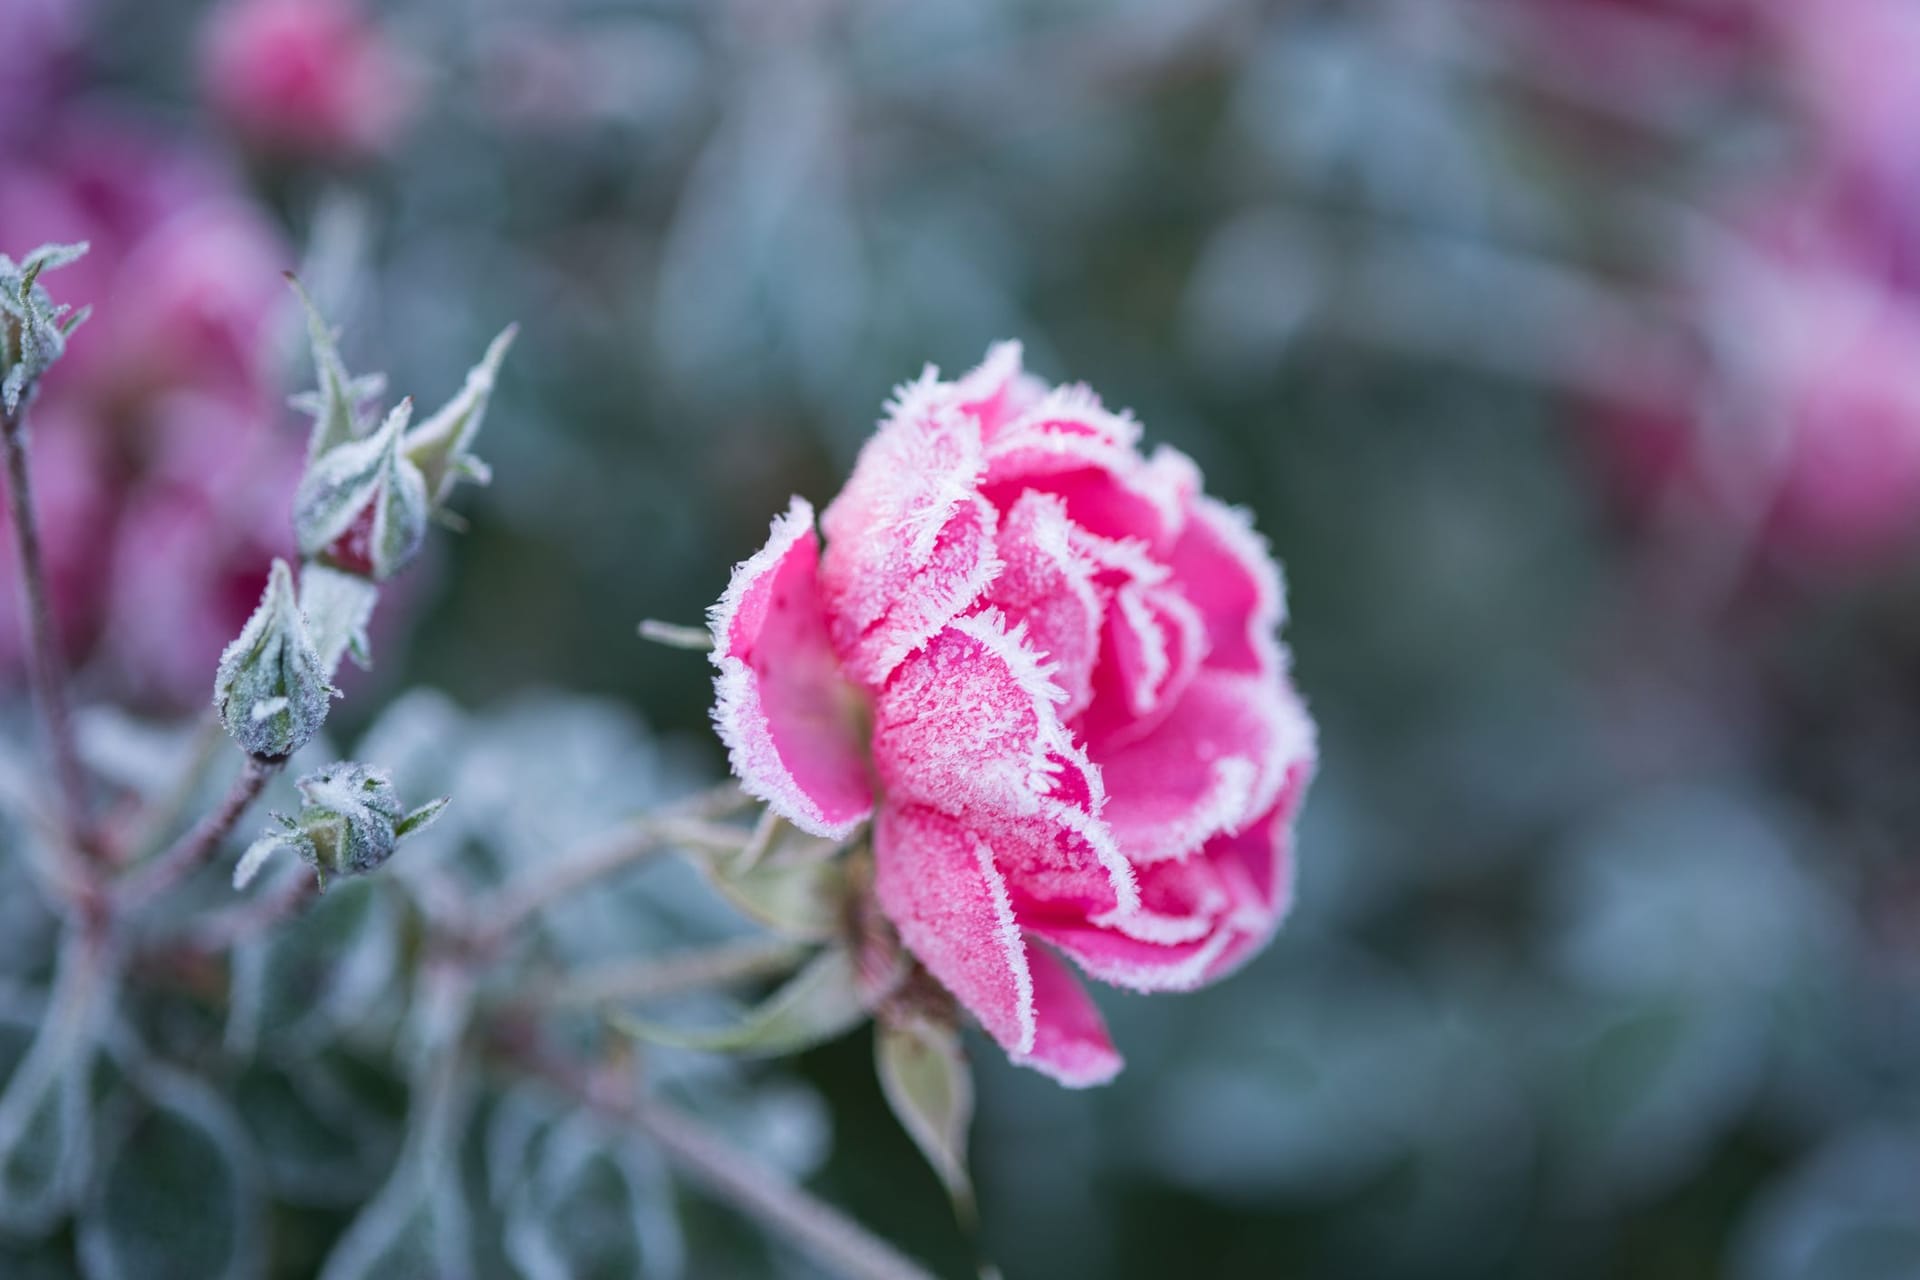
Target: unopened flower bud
[
  {"x": 33, "y": 330},
  {"x": 349, "y": 821},
  {"x": 271, "y": 689},
  {"x": 362, "y": 507}
]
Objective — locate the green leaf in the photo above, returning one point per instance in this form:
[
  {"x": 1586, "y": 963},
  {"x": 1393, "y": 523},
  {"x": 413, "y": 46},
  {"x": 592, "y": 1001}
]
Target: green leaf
[
  {"x": 316, "y": 976},
  {"x": 46, "y": 1111},
  {"x": 420, "y": 819},
  {"x": 338, "y": 606},
  {"x": 417, "y": 1226},
  {"x": 806, "y": 901},
  {"x": 820, "y": 1002},
  {"x": 324, "y": 1136},
  {"x": 923, "y": 1072},
  {"x": 438, "y": 446},
  {"x": 581, "y": 1201},
  {"x": 337, "y": 407},
  {"x": 177, "y": 1197}
]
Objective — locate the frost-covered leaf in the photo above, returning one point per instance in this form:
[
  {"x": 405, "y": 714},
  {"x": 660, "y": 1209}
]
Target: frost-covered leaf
[
  {"x": 33, "y": 328},
  {"x": 419, "y": 1224},
  {"x": 924, "y": 1074},
  {"x": 1847, "y": 1211},
  {"x": 416, "y": 1226},
  {"x": 325, "y": 1128},
  {"x": 580, "y": 1200},
  {"x": 46, "y": 1110},
  {"x": 803, "y": 900},
  {"x": 339, "y": 405},
  {"x": 313, "y": 977},
  {"x": 338, "y": 606},
  {"x": 177, "y": 1196},
  {"x": 819, "y": 1003},
  {"x": 439, "y": 446}
]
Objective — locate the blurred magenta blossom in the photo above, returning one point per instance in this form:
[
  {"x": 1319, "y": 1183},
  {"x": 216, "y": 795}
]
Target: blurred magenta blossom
[
  {"x": 1049, "y": 668},
  {"x": 1796, "y": 420},
  {"x": 163, "y": 476},
  {"x": 306, "y": 79}
]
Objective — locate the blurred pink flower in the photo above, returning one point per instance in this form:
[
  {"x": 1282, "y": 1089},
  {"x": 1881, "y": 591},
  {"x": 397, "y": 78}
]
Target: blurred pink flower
[
  {"x": 311, "y": 79},
  {"x": 39, "y": 39},
  {"x": 74, "y": 506},
  {"x": 1049, "y": 669},
  {"x": 1799, "y": 422},
  {"x": 166, "y": 474}
]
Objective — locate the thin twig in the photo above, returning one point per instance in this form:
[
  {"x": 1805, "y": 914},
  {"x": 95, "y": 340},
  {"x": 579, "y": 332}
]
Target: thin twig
[
  {"x": 625, "y": 846},
  {"x": 49, "y": 670},
  {"x": 653, "y": 978},
  {"x": 226, "y": 929},
  {"x": 518, "y": 901},
  {"x": 675, "y": 636},
  {"x": 149, "y": 825},
  {"x": 192, "y": 850},
  {"x": 826, "y": 1235}
]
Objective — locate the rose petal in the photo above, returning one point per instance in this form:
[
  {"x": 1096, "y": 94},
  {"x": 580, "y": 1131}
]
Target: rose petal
[
  {"x": 1046, "y": 585},
  {"x": 1154, "y": 643},
  {"x": 791, "y": 723},
  {"x": 1215, "y": 763},
  {"x": 1137, "y": 964},
  {"x": 970, "y": 725},
  {"x": 1069, "y": 445},
  {"x": 1200, "y": 918},
  {"x": 1256, "y": 871},
  {"x": 936, "y": 881},
  {"x": 1070, "y": 1040},
  {"x": 1223, "y": 567},
  {"x": 910, "y": 541},
  {"x": 999, "y": 391}
]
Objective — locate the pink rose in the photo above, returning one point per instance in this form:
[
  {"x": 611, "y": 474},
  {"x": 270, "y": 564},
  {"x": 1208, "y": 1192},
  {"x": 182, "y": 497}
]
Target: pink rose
[
  {"x": 308, "y": 78},
  {"x": 1048, "y": 669},
  {"x": 1799, "y": 421}
]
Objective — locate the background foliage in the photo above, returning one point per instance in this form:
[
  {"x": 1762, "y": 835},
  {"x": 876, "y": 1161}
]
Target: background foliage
[{"x": 1607, "y": 953}]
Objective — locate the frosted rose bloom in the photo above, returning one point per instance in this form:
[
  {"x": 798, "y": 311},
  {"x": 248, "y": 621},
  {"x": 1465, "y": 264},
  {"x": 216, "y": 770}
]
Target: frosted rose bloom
[
  {"x": 1048, "y": 669},
  {"x": 310, "y": 78}
]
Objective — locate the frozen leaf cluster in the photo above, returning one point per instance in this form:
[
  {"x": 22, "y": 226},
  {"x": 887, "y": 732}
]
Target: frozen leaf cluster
[
  {"x": 369, "y": 490},
  {"x": 33, "y": 328}
]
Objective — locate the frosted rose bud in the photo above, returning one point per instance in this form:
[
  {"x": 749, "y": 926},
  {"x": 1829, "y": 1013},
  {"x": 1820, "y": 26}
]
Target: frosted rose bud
[
  {"x": 307, "y": 78},
  {"x": 349, "y": 821},
  {"x": 363, "y": 506},
  {"x": 1048, "y": 669},
  {"x": 271, "y": 689},
  {"x": 33, "y": 328}
]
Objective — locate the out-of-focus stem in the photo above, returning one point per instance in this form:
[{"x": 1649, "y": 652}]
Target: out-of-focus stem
[
  {"x": 226, "y": 929},
  {"x": 192, "y": 850},
  {"x": 809, "y": 1224},
  {"x": 144, "y": 829},
  {"x": 49, "y": 671},
  {"x": 625, "y": 846},
  {"x": 652, "y": 978}
]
